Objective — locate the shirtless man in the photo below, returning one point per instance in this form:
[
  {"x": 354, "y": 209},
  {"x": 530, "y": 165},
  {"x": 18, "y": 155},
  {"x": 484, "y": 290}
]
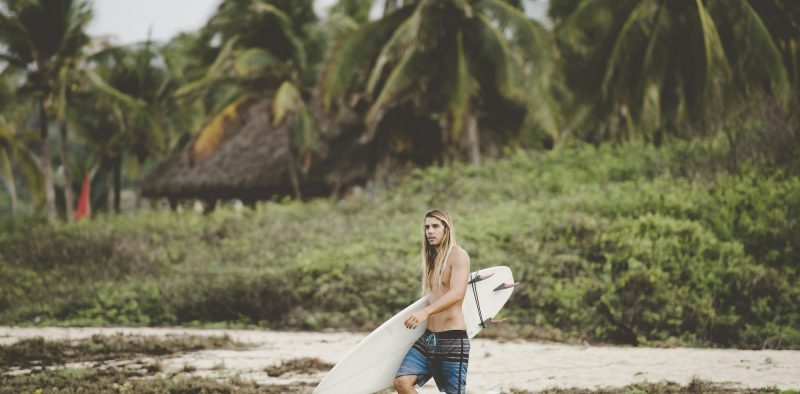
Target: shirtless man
[{"x": 442, "y": 352}]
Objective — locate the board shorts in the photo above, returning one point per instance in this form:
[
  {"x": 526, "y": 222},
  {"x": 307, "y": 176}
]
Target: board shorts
[{"x": 442, "y": 356}]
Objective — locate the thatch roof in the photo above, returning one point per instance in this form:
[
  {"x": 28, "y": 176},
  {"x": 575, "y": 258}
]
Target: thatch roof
[{"x": 241, "y": 154}]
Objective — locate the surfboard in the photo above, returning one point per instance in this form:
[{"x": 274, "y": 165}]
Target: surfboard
[{"x": 371, "y": 365}]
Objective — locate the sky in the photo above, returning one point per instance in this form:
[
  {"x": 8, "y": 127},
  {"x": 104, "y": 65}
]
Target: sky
[{"x": 128, "y": 21}]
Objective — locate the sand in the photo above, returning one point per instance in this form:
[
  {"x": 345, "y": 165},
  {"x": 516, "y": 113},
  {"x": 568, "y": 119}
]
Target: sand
[{"x": 495, "y": 366}]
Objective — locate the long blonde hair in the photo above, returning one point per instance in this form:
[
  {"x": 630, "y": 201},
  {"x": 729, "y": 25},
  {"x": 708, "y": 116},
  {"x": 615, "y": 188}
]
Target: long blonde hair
[{"x": 432, "y": 269}]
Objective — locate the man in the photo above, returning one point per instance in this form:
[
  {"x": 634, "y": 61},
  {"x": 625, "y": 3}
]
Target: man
[{"x": 442, "y": 352}]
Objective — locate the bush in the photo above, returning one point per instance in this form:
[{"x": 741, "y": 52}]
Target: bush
[{"x": 626, "y": 244}]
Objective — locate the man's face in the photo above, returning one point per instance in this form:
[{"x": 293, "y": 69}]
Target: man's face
[{"x": 434, "y": 231}]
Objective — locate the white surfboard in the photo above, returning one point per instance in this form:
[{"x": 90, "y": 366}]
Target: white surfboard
[{"x": 371, "y": 365}]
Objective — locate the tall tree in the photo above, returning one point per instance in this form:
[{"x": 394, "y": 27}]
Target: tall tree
[
  {"x": 126, "y": 109},
  {"x": 259, "y": 48},
  {"x": 15, "y": 156},
  {"x": 41, "y": 37},
  {"x": 460, "y": 64},
  {"x": 662, "y": 66}
]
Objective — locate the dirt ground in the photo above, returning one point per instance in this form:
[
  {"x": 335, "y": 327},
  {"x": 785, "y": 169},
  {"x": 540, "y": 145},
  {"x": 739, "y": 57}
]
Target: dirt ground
[{"x": 495, "y": 366}]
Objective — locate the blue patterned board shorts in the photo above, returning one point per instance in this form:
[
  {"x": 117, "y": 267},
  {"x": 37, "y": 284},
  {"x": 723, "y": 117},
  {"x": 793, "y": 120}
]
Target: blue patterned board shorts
[{"x": 441, "y": 355}]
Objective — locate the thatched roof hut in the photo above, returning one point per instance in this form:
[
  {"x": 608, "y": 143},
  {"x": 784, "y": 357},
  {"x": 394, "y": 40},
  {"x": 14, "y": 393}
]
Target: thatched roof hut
[{"x": 241, "y": 154}]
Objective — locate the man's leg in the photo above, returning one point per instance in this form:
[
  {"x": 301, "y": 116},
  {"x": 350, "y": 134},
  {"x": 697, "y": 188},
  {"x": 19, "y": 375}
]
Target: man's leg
[
  {"x": 451, "y": 362},
  {"x": 405, "y": 384},
  {"x": 415, "y": 368}
]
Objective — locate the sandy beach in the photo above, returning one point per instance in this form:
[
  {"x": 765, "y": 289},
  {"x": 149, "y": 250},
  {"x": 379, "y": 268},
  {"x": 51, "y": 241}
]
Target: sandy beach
[{"x": 495, "y": 366}]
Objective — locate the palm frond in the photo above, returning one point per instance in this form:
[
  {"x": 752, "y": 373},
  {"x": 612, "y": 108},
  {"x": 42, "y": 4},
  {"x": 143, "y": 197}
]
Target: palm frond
[
  {"x": 463, "y": 89},
  {"x": 346, "y": 67},
  {"x": 76, "y": 19},
  {"x": 621, "y": 67},
  {"x": 285, "y": 24},
  {"x": 254, "y": 61},
  {"x": 494, "y": 49},
  {"x": 764, "y": 52},
  {"x": 287, "y": 100},
  {"x": 588, "y": 13},
  {"x": 716, "y": 63},
  {"x": 214, "y": 75},
  {"x": 6, "y": 141},
  {"x": 656, "y": 52},
  {"x": 305, "y": 137},
  {"x": 128, "y": 102},
  {"x": 207, "y": 140},
  {"x": 6, "y": 172},
  {"x": 397, "y": 85},
  {"x": 30, "y": 168},
  {"x": 399, "y": 43},
  {"x": 528, "y": 35},
  {"x": 17, "y": 39}
]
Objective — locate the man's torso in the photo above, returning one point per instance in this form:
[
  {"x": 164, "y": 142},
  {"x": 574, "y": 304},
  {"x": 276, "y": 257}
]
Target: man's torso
[{"x": 451, "y": 318}]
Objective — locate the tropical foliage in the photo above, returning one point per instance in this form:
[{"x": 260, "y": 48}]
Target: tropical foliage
[
  {"x": 672, "y": 67},
  {"x": 428, "y": 81},
  {"x": 259, "y": 48},
  {"x": 457, "y": 64},
  {"x": 44, "y": 39},
  {"x": 645, "y": 189},
  {"x": 609, "y": 245}
]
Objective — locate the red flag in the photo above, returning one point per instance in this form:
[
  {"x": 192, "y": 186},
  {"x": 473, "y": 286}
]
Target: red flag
[{"x": 84, "y": 207}]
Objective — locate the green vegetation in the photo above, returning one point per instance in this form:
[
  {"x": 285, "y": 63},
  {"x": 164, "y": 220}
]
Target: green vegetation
[
  {"x": 426, "y": 82},
  {"x": 684, "y": 231},
  {"x": 627, "y": 244}
]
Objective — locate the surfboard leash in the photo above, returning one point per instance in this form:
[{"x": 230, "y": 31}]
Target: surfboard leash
[{"x": 475, "y": 294}]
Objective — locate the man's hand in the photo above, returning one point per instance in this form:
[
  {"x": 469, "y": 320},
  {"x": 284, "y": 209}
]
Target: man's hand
[{"x": 416, "y": 319}]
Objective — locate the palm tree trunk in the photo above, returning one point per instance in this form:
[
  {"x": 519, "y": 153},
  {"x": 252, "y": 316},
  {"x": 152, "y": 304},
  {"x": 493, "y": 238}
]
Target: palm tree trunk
[
  {"x": 8, "y": 177},
  {"x": 69, "y": 195},
  {"x": 293, "y": 177},
  {"x": 473, "y": 140},
  {"x": 47, "y": 168},
  {"x": 117, "y": 183},
  {"x": 12, "y": 194}
]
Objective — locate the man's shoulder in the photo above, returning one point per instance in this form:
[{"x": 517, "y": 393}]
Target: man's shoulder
[{"x": 458, "y": 254}]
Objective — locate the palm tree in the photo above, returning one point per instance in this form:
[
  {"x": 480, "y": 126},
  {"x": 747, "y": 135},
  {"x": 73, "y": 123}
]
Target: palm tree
[
  {"x": 259, "y": 47},
  {"x": 14, "y": 152},
  {"x": 126, "y": 108},
  {"x": 456, "y": 63},
  {"x": 41, "y": 38},
  {"x": 664, "y": 65}
]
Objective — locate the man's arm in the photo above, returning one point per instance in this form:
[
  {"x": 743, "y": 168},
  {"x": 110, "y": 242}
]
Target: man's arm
[{"x": 459, "y": 276}]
